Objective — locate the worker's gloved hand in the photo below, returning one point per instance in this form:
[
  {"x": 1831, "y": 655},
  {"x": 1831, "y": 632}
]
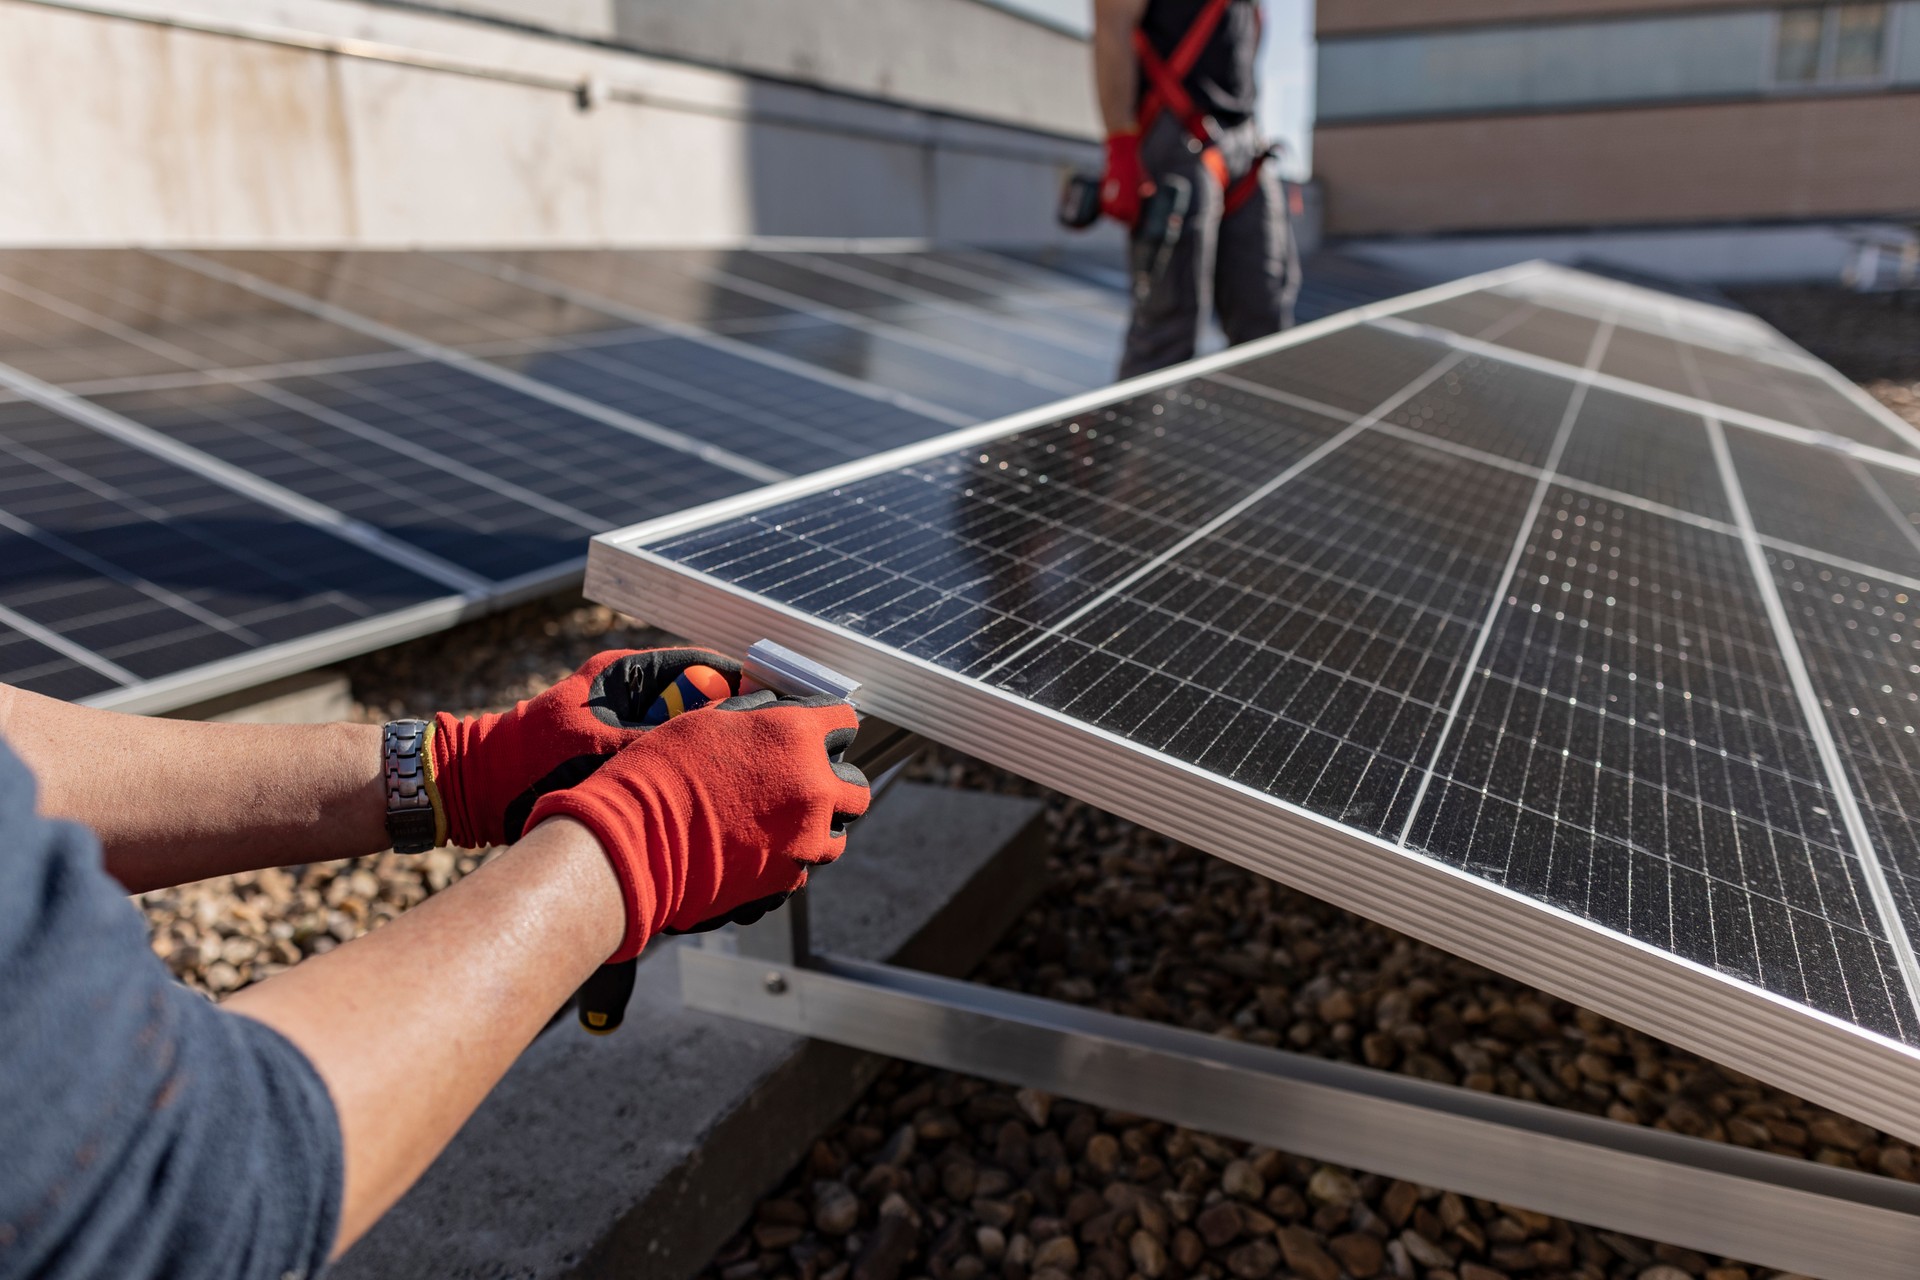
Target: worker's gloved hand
[
  {"x": 717, "y": 814},
  {"x": 488, "y": 770},
  {"x": 1124, "y": 178}
]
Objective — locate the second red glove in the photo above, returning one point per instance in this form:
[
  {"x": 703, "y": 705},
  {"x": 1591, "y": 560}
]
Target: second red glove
[
  {"x": 1125, "y": 178},
  {"x": 719, "y": 809}
]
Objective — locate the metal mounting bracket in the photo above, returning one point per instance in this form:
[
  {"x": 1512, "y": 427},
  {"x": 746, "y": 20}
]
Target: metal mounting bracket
[{"x": 1766, "y": 1209}]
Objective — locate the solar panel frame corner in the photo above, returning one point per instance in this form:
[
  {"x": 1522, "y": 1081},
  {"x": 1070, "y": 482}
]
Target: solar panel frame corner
[{"x": 1825, "y": 1058}]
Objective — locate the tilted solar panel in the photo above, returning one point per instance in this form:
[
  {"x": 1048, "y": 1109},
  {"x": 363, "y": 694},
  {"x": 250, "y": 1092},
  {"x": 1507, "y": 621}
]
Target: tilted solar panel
[{"x": 1431, "y": 616}]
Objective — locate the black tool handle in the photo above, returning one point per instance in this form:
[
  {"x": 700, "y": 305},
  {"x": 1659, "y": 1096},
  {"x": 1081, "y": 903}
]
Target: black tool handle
[
  {"x": 602, "y": 999},
  {"x": 1079, "y": 205}
]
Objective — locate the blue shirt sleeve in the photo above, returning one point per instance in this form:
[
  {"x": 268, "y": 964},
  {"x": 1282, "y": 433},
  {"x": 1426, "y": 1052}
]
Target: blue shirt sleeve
[{"x": 143, "y": 1132}]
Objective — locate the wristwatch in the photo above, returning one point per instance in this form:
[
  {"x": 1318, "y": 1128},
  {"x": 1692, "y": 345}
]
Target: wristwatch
[{"x": 410, "y": 817}]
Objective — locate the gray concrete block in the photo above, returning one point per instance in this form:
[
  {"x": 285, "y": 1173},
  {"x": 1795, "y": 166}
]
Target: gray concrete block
[
  {"x": 312, "y": 697},
  {"x": 635, "y": 1154}
]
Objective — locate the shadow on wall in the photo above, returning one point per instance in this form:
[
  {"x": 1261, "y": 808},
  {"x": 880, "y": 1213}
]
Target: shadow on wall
[{"x": 925, "y": 177}]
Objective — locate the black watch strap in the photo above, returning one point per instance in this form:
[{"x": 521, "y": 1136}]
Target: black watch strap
[{"x": 410, "y": 818}]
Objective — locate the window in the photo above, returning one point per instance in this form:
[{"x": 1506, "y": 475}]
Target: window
[
  {"x": 1830, "y": 44},
  {"x": 1859, "y": 35},
  {"x": 1797, "y": 54}
]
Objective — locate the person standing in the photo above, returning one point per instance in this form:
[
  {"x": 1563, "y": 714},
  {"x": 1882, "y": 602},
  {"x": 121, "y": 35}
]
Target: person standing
[{"x": 1178, "y": 98}]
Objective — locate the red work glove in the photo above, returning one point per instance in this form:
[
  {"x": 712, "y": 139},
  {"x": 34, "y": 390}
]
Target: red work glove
[
  {"x": 1125, "y": 178},
  {"x": 488, "y": 770},
  {"x": 717, "y": 814}
]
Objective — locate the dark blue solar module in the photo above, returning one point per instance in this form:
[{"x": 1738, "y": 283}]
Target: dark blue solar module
[
  {"x": 118, "y": 567},
  {"x": 464, "y": 421}
]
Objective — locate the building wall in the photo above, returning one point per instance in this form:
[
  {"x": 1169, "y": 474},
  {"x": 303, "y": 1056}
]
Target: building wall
[
  {"x": 1843, "y": 157},
  {"x": 1491, "y": 115},
  {"x": 333, "y": 122},
  {"x": 954, "y": 55},
  {"x": 1654, "y": 58},
  {"x": 1353, "y": 17}
]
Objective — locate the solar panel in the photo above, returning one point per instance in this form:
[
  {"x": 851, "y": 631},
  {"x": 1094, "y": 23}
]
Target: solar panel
[
  {"x": 85, "y": 314},
  {"x": 463, "y": 419},
  {"x": 1431, "y": 616},
  {"x": 121, "y": 568}
]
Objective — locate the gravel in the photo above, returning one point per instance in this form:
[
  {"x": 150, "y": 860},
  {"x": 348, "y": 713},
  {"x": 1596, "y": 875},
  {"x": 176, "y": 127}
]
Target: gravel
[
  {"x": 988, "y": 1180},
  {"x": 939, "y": 1175},
  {"x": 1872, "y": 338}
]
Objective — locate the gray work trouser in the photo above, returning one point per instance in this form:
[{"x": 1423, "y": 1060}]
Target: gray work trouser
[{"x": 1245, "y": 266}]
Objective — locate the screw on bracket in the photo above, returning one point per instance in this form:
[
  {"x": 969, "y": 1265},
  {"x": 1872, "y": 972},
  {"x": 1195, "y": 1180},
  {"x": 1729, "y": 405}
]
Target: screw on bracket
[{"x": 776, "y": 983}]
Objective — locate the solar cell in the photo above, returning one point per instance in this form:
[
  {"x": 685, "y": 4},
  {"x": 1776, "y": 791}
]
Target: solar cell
[
  {"x": 662, "y": 284},
  {"x": 423, "y": 294},
  {"x": 144, "y": 569},
  {"x": 1763, "y": 379},
  {"x": 782, "y": 419},
  {"x": 1646, "y": 451},
  {"x": 1569, "y": 679},
  {"x": 321, "y": 449},
  {"x": 41, "y": 668},
  {"x": 1902, "y": 490},
  {"x": 1493, "y": 408},
  {"x": 1008, "y": 333},
  {"x": 1553, "y": 335},
  {"x": 874, "y": 357},
  {"x": 882, "y": 317},
  {"x": 1350, "y": 369},
  {"x": 68, "y": 315},
  {"x": 1813, "y": 498}
]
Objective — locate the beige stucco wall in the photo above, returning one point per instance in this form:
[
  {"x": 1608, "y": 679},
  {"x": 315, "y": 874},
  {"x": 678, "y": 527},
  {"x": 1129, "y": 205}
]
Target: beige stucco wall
[
  {"x": 951, "y": 55},
  {"x": 114, "y": 131}
]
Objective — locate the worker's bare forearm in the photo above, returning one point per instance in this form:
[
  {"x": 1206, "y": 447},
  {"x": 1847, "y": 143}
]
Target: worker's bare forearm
[
  {"x": 178, "y": 800},
  {"x": 450, "y": 993},
  {"x": 1115, "y": 74}
]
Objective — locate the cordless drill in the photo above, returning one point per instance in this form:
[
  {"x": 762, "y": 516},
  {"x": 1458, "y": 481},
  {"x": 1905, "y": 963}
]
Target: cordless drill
[{"x": 1163, "y": 216}]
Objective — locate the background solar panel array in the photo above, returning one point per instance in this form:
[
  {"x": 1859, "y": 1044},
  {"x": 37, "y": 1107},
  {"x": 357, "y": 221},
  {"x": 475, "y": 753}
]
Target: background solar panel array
[
  {"x": 472, "y": 415},
  {"x": 206, "y": 455},
  {"x": 1457, "y": 579}
]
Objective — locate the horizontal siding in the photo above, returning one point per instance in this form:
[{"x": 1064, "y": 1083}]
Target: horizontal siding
[
  {"x": 1794, "y": 158},
  {"x": 1546, "y": 65},
  {"x": 1366, "y": 17}
]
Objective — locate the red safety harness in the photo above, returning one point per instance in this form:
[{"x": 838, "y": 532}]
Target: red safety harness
[{"x": 1167, "y": 91}]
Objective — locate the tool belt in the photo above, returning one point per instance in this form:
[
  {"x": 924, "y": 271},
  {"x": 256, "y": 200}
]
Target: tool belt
[{"x": 1167, "y": 91}]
